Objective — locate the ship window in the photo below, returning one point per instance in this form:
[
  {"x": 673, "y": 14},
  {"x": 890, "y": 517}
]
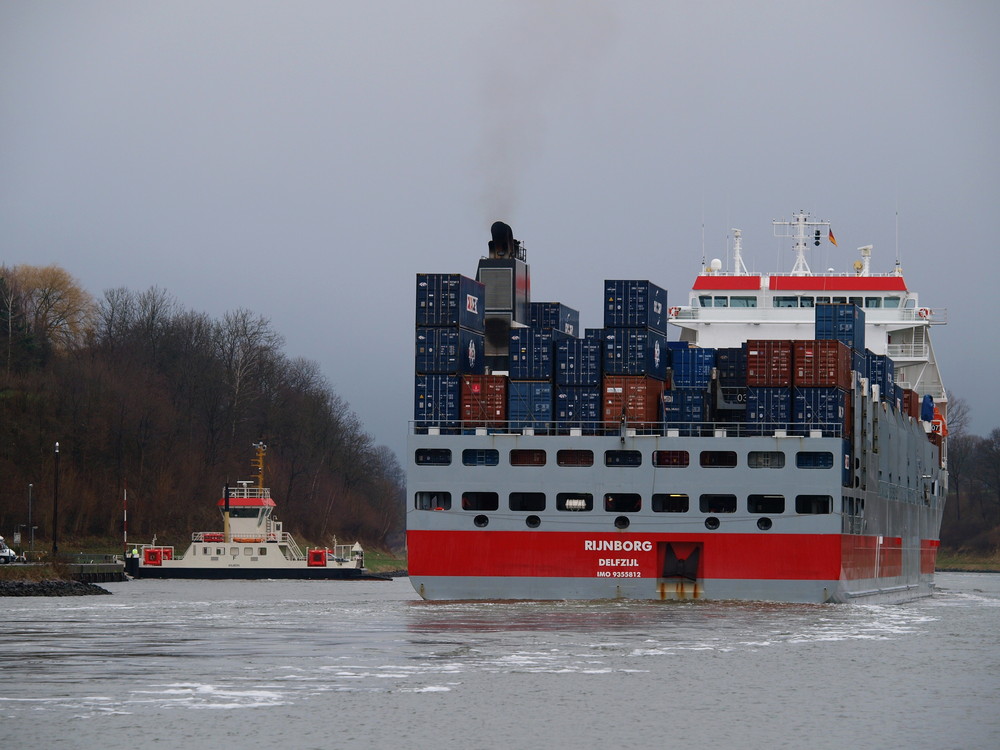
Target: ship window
[
  {"x": 433, "y": 457},
  {"x": 721, "y": 302},
  {"x": 575, "y": 458},
  {"x": 806, "y": 302},
  {"x": 814, "y": 460},
  {"x": 433, "y": 501},
  {"x": 856, "y": 301},
  {"x": 480, "y": 457},
  {"x": 770, "y": 504},
  {"x": 813, "y": 504},
  {"x": 671, "y": 458},
  {"x": 718, "y": 459},
  {"x": 480, "y": 501},
  {"x": 527, "y": 501},
  {"x": 786, "y": 301},
  {"x": 822, "y": 300},
  {"x": 766, "y": 460},
  {"x": 622, "y": 502},
  {"x": 891, "y": 302},
  {"x": 262, "y": 551},
  {"x": 527, "y": 457},
  {"x": 743, "y": 302},
  {"x": 622, "y": 458},
  {"x": 670, "y": 503},
  {"x": 717, "y": 503},
  {"x": 705, "y": 300},
  {"x": 873, "y": 302},
  {"x": 234, "y": 551},
  {"x": 839, "y": 300},
  {"x": 574, "y": 501},
  {"x": 248, "y": 551}
]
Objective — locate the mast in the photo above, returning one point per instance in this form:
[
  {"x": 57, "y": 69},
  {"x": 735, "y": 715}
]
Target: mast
[
  {"x": 738, "y": 268},
  {"x": 800, "y": 229}
]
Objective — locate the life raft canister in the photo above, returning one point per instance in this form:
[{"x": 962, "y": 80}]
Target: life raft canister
[
  {"x": 317, "y": 558},
  {"x": 152, "y": 556},
  {"x": 938, "y": 425}
]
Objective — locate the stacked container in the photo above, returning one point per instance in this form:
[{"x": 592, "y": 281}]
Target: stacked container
[
  {"x": 448, "y": 344},
  {"x": 554, "y": 316},
  {"x": 484, "y": 400},
  {"x": 822, "y": 379},
  {"x": 579, "y": 370}
]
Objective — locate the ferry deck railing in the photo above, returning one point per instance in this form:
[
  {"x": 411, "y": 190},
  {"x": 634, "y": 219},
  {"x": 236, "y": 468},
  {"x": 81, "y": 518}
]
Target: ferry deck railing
[{"x": 628, "y": 430}]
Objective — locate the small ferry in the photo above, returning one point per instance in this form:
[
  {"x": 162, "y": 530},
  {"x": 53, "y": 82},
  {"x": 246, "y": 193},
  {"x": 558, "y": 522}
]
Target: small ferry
[{"x": 251, "y": 545}]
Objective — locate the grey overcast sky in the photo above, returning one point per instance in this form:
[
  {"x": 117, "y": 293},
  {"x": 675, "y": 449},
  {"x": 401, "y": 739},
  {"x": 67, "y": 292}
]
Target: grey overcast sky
[{"x": 306, "y": 159}]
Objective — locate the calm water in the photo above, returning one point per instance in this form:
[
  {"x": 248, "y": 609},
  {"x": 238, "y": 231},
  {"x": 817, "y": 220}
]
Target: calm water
[{"x": 327, "y": 664}]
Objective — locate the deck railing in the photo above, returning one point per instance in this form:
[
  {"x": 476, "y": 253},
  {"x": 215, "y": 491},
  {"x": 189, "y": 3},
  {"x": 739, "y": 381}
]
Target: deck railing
[{"x": 629, "y": 430}]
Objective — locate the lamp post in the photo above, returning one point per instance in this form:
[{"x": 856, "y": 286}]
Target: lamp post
[
  {"x": 31, "y": 548},
  {"x": 55, "y": 507}
]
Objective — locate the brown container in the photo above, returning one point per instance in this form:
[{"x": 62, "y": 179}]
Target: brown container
[
  {"x": 769, "y": 363},
  {"x": 638, "y": 394},
  {"x": 484, "y": 400},
  {"x": 822, "y": 364},
  {"x": 911, "y": 403}
]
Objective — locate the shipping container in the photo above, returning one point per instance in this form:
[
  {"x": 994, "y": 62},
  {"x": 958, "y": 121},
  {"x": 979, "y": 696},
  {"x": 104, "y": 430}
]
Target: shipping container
[
  {"x": 484, "y": 400},
  {"x": 579, "y": 362},
  {"x": 635, "y": 304},
  {"x": 826, "y": 409},
  {"x": 882, "y": 372},
  {"x": 769, "y": 408},
  {"x": 911, "y": 403},
  {"x": 692, "y": 368},
  {"x": 437, "y": 401},
  {"x": 450, "y": 299},
  {"x": 449, "y": 350},
  {"x": 636, "y": 351},
  {"x": 578, "y": 406},
  {"x": 634, "y": 397},
  {"x": 731, "y": 363},
  {"x": 554, "y": 316},
  {"x": 684, "y": 409},
  {"x": 532, "y": 354},
  {"x": 769, "y": 363},
  {"x": 529, "y": 404},
  {"x": 841, "y": 322},
  {"x": 822, "y": 363}
]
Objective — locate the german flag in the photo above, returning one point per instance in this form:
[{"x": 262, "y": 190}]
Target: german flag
[{"x": 832, "y": 238}]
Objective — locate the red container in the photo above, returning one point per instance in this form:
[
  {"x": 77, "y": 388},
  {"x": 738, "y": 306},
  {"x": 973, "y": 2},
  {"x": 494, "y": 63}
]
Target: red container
[
  {"x": 769, "y": 363},
  {"x": 822, "y": 364},
  {"x": 911, "y": 403},
  {"x": 638, "y": 394},
  {"x": 484, "y": 400}
]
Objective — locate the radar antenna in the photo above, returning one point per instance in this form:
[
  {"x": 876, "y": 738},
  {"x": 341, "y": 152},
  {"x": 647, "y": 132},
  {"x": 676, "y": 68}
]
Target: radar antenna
[{"x": 799, "y": 229}]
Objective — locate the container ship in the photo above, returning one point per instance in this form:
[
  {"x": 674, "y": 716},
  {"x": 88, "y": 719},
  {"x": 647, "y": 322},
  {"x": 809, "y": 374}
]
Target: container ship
[{"x": 775, "y": 437}]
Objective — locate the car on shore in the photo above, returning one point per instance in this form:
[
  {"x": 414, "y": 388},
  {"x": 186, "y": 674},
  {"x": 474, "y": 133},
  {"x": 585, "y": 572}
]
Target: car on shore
[{"x": 7, "y": 555}]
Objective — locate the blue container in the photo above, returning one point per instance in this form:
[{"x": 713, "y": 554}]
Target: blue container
[
  {"x": 454, "y": 351},
  {"x": 529, "y": 403},
  {"x": 636, "y": 351},
  {"x": 684, "y": 407},
  {"x": 554, "y": 316},
  {"x": 579, "y": 362},
  {"x": 882, "y": 372},
  {"x": 450, "y": 299},
  {"x": 821, "y": 409},
  {"x": 841, "y": 322},
  {"x": 770, "y": 408},
  {"x": 732, "y": 366},
  {"x": 532, "y": 353},
  {"x": 859, "y": 362},
  {"x": 437, "y": 400},
  {"x": 692, "y": 368},
  {"x": 578, "y": 406},
  {"x": 635, "y": 304}
]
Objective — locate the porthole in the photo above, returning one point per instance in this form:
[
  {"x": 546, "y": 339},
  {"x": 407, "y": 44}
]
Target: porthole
[
  {"x": 621, "y": 522},
  {"x": 533, "y": 522},
  {"x": 711, "y": 523},
  {"x": 763, "y": 524},
  {"x": 481, "y": 521}
]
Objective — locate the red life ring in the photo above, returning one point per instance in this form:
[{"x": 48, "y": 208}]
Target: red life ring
[
  {"x": 923, "y": 312},
  {"x": 674, "y": 311}
]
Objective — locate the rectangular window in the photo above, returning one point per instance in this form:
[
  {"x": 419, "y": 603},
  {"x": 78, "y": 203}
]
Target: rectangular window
[
  {"x": 533, "y": 502},
  {"x": 622, "y": 458},
  {"x": 526, "y": 457},
  {"x": 433, "y": 457},
  {"x": 721, "y": 301},
  {"x": 814, "y": 460},
  {"x": 575, "y": 458},
  {"x": 873, "y": 302},
  {"x": 743, "y": 301},
  {"x": 480, "y": 501},
  {"x": 671, "y": 458},
  {"x": 262, "y": 551},
  {"x": 574, "y": 501},
  {"x": 705, "y": 300},
  {"x": 766, "y": 460},
  {"x": 480, "y": 457},
  {"x": 433, "y": 501},
  {"x": 770, "y": 504},
  {"x": 806, "y": 302},
  {"x": 248, "y": 551},
  {"x": 670, "y": 503},
  {"x": 718, "y": 459},
  {"x": 786, "y": 301},
  {"x": 622, "y": 502},
  {"x": 892, "y": 302},
  {"x": 717, "y": 503},
  {"x": 811, "y": 505}
]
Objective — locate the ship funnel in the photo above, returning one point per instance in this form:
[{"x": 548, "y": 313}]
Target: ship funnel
[{"x": 503, "y": 244}]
